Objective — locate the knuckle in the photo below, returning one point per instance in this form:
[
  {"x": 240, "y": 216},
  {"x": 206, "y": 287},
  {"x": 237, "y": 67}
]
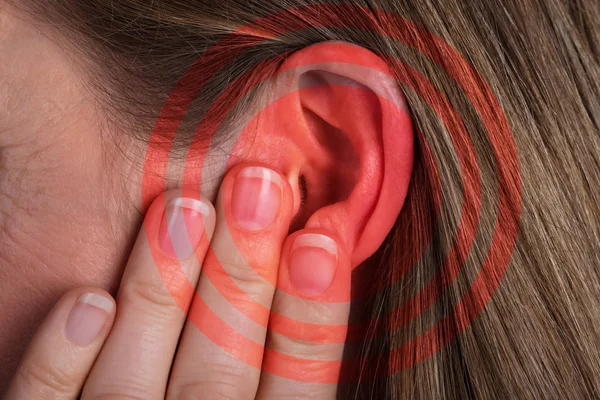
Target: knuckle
[
  {"x": 232, "y": 265},
  {"x": 247, "y": 284},
  {"x": 242, "y": 274},
  {"x": 304, "y": 391},
  {"x": 303, "y": 350},
  {"x": 118, "y": 396},
  {"x": 226, "y": 389},
  {"x": 197, "y": 391},
  {"x": 280, "y": 341},
  {"x": 114, "y": 396},
  {"x": 130, "y": 389},
  {"x": 150, "y": 298},
  {"x": 46, "y": 377}
]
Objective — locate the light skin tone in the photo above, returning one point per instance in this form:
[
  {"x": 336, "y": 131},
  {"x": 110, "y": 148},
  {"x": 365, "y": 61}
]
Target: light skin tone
[
  {"x": 76, "y": 348},
  {"x": 71, "y": 214}
]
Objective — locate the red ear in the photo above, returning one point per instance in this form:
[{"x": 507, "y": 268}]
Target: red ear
[{"x": 339, "y": 121}]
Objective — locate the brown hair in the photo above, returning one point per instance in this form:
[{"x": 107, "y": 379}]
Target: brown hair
[{"x": 539, "y": 336}]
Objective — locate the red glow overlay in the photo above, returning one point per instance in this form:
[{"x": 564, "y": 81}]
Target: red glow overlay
[{"x": 509, "y": 199}]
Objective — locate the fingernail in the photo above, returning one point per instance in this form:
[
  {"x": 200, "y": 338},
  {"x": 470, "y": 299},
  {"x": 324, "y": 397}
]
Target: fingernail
[
  {"x": 313, "y": 261},
  {"x": 182, "y": 226},
  {"x": 256, "y": 198},
  {"x": 87, "y": 318}
]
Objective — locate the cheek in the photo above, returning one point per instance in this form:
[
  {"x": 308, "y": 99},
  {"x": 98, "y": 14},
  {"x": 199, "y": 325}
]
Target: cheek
[
  {"x": 67, "y": 214},
  {"x": 54, "y": 241},
  {"x": 61, "y": 227},
  {"x": 43, "y": 255}
]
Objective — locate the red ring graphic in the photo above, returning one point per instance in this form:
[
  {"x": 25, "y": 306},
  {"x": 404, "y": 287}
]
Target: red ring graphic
[{"x": 509, "y": 199}]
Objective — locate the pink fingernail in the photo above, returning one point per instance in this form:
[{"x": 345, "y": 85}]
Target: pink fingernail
[
  {"x": 182, "y": 226},
  {"x": 256, "y": 198},
  {"x": 313, "y": 261},
  {"x": 87, "y": 318}
]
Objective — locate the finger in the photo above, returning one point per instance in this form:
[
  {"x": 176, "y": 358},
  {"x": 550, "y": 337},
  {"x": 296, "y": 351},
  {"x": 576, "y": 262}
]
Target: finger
[
  {"x": 64, "y": 347},
  {"x": 220, "y": 354},
  {"x": 153, "y": 299},
  {"x": 309, "y": 319}
]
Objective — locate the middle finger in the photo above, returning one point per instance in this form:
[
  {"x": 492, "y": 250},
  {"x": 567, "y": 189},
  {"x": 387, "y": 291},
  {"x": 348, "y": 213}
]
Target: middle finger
[{"x": 221, "y": 349}]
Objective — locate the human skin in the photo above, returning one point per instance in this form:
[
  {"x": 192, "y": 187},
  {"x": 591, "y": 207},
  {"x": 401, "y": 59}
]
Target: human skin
[
  {"x": 70, "y": 202},
  {"x": 64, "y": 220},
  {"x": 164, "y": 341}
]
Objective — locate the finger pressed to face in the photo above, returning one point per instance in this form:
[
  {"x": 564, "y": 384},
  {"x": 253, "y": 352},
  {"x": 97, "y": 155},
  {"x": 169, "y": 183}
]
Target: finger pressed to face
[
  {"x": 153, "y": 299},
  {"x": 309, "y": 319},
  {"x": 221, "y": 350}
]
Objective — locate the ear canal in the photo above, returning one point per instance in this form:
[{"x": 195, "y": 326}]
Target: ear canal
[{"x": 334, "y": 167}]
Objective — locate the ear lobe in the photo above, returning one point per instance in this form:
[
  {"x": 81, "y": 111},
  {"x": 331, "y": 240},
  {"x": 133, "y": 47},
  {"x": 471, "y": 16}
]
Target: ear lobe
[{"x": 348, "y": 118}]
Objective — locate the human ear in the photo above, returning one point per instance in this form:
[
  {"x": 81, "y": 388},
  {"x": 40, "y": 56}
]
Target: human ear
[{"x": 338, "y": 126}]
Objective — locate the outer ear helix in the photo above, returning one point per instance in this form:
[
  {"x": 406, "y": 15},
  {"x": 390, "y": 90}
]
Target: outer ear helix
[
  {"x": 364, "y": 101},
  {"x": 352, "y": 95}
]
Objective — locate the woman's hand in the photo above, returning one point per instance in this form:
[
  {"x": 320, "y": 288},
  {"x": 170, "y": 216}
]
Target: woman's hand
[{"x": 184, "y": 329}]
